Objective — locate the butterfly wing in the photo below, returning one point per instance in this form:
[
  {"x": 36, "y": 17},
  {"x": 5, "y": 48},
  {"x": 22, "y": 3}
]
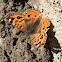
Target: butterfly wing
[
  {"x": 32, "y": 19},
  {"x": 45, "y": 24},
  {"x": 39, "y": 39},
  {"x": 17, "y": 20}
]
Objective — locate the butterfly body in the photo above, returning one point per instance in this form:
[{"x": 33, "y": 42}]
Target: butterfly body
[{"x": 32, "y": 24}]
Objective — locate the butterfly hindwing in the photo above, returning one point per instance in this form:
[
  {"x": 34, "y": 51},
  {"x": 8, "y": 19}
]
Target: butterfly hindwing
[{"x": 39, "y": 39}]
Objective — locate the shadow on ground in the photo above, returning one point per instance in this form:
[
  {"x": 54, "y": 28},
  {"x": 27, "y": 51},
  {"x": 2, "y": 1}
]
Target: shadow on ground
[{"x": 52, "y": 41}]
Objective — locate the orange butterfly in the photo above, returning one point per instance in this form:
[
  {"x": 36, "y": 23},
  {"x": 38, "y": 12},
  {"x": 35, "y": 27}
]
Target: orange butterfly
[{"x": 32, "y": 24}]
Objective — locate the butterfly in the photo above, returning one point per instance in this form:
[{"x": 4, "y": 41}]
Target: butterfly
[{"x": 32, "y": 24}]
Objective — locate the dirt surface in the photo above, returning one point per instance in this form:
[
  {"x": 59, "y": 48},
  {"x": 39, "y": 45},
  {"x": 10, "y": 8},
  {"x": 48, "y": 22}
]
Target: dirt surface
[{"x": 15, "y": 48}]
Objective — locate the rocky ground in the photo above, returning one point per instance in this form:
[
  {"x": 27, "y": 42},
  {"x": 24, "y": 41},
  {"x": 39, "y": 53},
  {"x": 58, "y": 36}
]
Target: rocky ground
[{"x": 15, "y": 48}]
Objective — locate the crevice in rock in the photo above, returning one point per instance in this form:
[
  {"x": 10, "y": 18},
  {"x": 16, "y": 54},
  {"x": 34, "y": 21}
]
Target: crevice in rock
[
  {"x": 15, "y": 41},
  {"x": 5, "y": 53}
]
